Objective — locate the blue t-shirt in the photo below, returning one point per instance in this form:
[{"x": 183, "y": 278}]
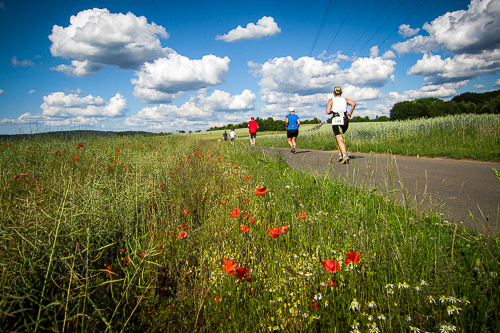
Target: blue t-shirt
[{"x": 292, "y": 122}]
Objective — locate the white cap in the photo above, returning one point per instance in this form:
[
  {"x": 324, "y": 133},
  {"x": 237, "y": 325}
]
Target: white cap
[{"x": 291, "y": 109}]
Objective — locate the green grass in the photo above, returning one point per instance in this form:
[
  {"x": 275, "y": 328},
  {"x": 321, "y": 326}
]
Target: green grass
[
  {"x": 91, "y": 241},
  {"x": 461, "y": 137}
]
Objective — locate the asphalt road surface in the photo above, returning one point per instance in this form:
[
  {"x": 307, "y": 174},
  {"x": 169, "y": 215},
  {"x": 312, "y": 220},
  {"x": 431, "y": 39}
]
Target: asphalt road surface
[{"x": 463, "y": 191}]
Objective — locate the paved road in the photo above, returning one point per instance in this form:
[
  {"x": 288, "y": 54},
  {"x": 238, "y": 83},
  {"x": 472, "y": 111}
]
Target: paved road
[{"x": 452, "y": 187}]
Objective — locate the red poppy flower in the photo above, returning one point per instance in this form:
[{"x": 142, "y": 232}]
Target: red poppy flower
[
  {"x": 331, "y": 283},
  {"x": 224, "y": 202},
  {"x": 184, "y": 226},
  {"x": 16, "y": 176},
  {"x": 261, "y": 191},
  {"x": 217, "y": 298},
  {"x": 244, "y": 178},
  {"x": 162, "y": 185},
  {"x": 143, "y": 255},
  {"x": 274, "y": 232},
  {"x": 244, "y": 228},
  {"x": 182, "y": 234},
  {"x": 109, "y": 268},
  {"x": 331, "y": 266},
  {"x": 241, "y": 272},
  {"x": 302, "y": 216},
  {"x": 80, "y": 145},
  {"x": 186, "y": 211},
  {"x": 229, "y": 266},
  {"x": 253, "y": 220},
  {"x": 284, "y": 229},
  {"x": 354, "y": 257},
  {"x": 314, "y": 304},
  {"x": 248, "y": 215},
  {"x": 249, "y": 177},
  {"x": 235, "y": 212}
]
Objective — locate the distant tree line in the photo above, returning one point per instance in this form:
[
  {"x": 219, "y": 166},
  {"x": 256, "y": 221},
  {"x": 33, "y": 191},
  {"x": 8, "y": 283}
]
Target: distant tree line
[
  {"x": 479, "y": 103},
  {"x": 268, "y": 124}
]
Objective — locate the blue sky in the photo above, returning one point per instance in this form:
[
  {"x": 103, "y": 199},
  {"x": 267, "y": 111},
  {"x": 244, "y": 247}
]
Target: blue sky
[{"x": 172, "y": 65}]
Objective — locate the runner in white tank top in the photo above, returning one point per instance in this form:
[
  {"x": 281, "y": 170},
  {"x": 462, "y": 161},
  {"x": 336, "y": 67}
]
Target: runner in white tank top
[{"x": 338, "y": 105}]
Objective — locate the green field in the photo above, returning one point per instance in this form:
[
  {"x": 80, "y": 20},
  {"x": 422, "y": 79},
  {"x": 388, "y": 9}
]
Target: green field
[
  {"x": 461, "y": 137},
  {"x": 182, "y": 234}
]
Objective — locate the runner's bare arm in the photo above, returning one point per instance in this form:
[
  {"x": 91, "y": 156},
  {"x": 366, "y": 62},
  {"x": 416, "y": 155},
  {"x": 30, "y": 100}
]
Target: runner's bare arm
[
  {"x": 329, "y": 107},
  {"x": 352, "y": 104}
]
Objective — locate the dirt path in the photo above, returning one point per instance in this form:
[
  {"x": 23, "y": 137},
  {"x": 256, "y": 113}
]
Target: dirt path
[{"x": 452, "y": 187}]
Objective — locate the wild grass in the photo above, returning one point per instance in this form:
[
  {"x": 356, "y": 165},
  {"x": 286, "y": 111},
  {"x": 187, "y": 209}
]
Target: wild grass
[
  {"x": 465, "y": 136},
  {"x": 133, "y": 234}
]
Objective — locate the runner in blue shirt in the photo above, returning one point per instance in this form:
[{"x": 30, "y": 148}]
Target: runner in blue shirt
[{"x": 292, "y": 126}]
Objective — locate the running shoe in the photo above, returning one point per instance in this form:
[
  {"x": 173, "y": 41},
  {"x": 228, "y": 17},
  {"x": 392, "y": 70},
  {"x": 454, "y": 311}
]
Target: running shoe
[
  {"x": 340, "y": 157},
  {"x": 345, "y": 159}
]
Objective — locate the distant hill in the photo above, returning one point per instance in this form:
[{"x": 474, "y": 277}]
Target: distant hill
[{"x": 70, "y": 134}]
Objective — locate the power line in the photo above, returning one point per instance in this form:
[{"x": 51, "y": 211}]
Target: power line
[
  {"x": 394, "y": 12},
  {"x": 340, "y": 27},
  {"x": 322, "y": 25},
  {"x": 345, "y": 18},
  {"x": 403, "y": 22},
  {"x": 368, "y": 27},
  {"x": 326, "y": 15}
]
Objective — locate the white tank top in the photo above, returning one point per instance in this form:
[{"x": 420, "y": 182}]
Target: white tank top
[{"x": 339, "y": 105}]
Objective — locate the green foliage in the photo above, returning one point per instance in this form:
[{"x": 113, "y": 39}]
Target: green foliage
[
  {"x": 470, "y": 136},
  {"x": 92, "y": 240},
  {"x": 268, "y": 124},
  {"x": 467, "y": 103}
]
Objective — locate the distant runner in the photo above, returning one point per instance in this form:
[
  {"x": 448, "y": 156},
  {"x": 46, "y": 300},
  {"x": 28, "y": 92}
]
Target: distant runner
[
  {"x": 337, "y": 107},
  {"x": 232, "y": 135},
  {"x": 292, "y": 126},
  {"x": 252, "y": 129},
  {"x": 224, "y": 135}
]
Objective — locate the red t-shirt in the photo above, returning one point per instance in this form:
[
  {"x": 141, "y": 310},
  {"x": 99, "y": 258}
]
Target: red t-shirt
[{"x": 252, "y": 126}]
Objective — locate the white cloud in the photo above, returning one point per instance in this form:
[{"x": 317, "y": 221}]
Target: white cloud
[
  {"x": 31, "y": 92},
  {"x": 307, "y": 75},
  {"x": 266, "y": 26},
  {"x": 478, "y": 86},
  {"x": 338, "y": 56},
  {"x": 80, "y": 68},
  {"x": 461, "y": 67},
  {"x": 101, "y": 37},
  {"x": 77, "y": 91},
  {"x": 22, "y": 63},
  {"x": 1, "y": 91},
  {"x": 311, "y": 106},
  {"x": 437, "y": 91},
  {"x": 59, "y": 104},
  {"x": 463, "y": 31},
  {"x": 201, "y": 110},
  {"x": 406, "y": 31},
  {"x": 374, "y": 51},
  {"x": 496, "y": 84},
  {"x": 164, "y": 79},
  {"x": 222, "y": 101},
  {"x": 40, "y": 120}
]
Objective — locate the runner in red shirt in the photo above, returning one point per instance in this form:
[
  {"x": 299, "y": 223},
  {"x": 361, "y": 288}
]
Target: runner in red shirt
[{"x": 252, "y": 128}]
